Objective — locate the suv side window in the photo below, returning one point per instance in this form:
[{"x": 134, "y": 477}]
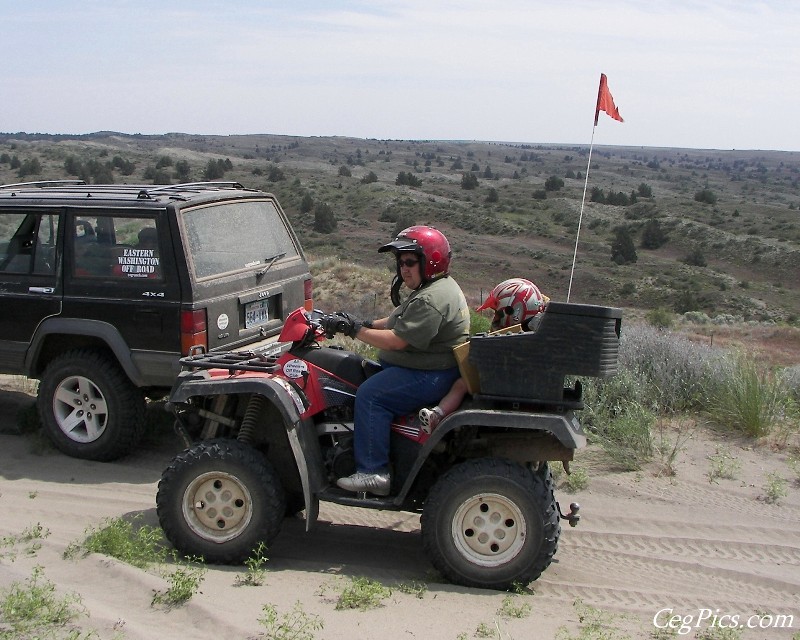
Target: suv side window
[
  {"x": 27, "y": 243},
  {"x": 123, "y": 247}
]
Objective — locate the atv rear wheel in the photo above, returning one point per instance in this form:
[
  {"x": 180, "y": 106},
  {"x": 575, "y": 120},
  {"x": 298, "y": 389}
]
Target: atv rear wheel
[
  {"x": 219, "y": 500},
  {"x": 491, "y": 524}
]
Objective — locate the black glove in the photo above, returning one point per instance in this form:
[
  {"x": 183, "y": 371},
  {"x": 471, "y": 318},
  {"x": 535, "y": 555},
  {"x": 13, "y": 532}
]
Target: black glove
[{"x": 340, "y": 322}]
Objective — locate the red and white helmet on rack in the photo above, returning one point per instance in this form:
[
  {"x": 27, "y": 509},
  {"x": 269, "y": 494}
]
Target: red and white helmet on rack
[{"x": 515, "y": 301}]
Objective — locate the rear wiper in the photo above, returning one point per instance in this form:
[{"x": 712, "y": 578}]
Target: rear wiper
[{"x": 270, "y": 262}]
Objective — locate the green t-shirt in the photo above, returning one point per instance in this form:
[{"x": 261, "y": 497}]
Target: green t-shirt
[{"x": 433, "y": 320}]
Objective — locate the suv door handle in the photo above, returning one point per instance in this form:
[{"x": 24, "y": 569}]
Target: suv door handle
[{"x": 41, "y": 290}]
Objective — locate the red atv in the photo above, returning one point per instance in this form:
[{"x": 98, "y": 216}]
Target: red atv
[{"x": 268, "y": 436}]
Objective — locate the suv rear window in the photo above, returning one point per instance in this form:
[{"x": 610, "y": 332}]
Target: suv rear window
[{"x": 235, "y": 236}]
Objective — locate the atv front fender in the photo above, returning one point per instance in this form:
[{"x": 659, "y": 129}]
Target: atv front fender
[{"x": 289, "y": 401}]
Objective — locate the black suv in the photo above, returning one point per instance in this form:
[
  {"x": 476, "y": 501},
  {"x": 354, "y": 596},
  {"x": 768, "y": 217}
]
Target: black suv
[{"x": 104, "y": 287}]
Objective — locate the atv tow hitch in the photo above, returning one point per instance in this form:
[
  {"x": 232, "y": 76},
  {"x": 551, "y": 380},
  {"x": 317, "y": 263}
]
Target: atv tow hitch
[{"x": 572, "y": 516}]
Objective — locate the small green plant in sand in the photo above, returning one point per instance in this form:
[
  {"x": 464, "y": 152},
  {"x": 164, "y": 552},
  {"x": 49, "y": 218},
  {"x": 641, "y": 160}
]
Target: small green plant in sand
[
  {"x": 184, "y": 583},
  {"x": 362, "y": 594},
  {"x": 141, "y": 546},
  {"x": 295, "y": 625},
  {"x": 577, "y": 480},
  {"x": 30, "y": 537},
  {"x": 413, "y": 588},
  {"x": 125, "y": 540},
  {"x": 32, "y": 609},
  {"x": 724, "y": 465},
  {"x": 775, "y": 488},
  {"x": 595, "y": 624},
  {"x": 512, "y": 608},
  {"x": 794, "y": 467},
  {"x": 718, "y": 633},
  {"x": 670, "y": 443},
  {"x": 254, "y": 576}
]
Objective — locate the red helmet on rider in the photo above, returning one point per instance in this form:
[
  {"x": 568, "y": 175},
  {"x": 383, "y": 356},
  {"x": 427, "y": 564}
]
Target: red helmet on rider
[
  {"x": 515, "y": 301},
  {"x": 429, "y": 244}
]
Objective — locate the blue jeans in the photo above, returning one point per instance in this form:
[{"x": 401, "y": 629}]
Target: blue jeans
[{"x": 392, "y": 392}]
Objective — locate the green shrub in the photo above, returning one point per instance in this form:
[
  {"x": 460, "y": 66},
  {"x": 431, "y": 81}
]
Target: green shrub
[
  {"x": 295, "y": 625},
  {"x": 577, "y": 480},
  {"x": 661, "y": 318},
  {"x": 746, "y": 397},
  {"x": 125, "y": 540},
  {"x": 33, "y": 610},
  {"x": 184, "y": 582},
  {"x": 362, "y": 594}
]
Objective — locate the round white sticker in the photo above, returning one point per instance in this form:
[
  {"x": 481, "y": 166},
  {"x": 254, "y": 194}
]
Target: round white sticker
[
  {"x": 222, "y": 322},
  {"x": 295, "y": 369}
]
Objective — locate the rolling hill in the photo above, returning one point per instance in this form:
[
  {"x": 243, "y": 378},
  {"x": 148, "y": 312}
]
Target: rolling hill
[{"x": 715, "y": 232}]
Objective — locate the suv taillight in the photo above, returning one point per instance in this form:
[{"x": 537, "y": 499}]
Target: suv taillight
[
  {"x": 194, "y": 331},
  {"x": 308, "y": 290}
]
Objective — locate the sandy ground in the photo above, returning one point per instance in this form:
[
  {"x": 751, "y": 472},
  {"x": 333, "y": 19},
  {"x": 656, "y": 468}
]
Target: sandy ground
[{"x": 681, "y": 545}]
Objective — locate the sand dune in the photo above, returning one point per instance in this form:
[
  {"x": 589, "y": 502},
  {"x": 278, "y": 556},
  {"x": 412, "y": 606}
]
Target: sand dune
[{"x": 681, "y": 545}]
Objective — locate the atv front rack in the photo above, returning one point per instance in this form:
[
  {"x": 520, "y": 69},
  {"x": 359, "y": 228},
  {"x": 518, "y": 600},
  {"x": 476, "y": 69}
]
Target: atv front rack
[{"x": 233, "y": 361}]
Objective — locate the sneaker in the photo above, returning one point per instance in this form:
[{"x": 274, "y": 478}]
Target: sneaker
[
  {"x": 430, "y": 419},
  {"x": 377, "y": 483}
]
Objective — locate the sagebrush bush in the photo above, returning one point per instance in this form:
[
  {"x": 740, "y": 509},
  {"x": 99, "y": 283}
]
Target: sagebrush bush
[
  {"x": 790, "y": 378},
  {"x": 672, "y": 370},
  {"x": 661, "y": 373}
]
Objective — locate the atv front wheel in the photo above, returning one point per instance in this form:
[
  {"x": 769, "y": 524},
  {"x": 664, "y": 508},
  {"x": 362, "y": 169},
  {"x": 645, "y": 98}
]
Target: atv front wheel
[
  {"x": 491, "y": 523},
  {"x": 219, "y": 500}
]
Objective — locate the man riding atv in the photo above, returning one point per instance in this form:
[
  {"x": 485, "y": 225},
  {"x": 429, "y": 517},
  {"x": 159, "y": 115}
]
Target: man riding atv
[{"x": 415, "y": 344}]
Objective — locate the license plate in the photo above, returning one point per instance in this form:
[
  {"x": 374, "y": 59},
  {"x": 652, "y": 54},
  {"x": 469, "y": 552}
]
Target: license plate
[{"x": 256, "y": 313}]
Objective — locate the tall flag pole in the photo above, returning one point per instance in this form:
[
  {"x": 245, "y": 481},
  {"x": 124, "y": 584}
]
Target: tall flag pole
[{"x": 605, "y": 102}]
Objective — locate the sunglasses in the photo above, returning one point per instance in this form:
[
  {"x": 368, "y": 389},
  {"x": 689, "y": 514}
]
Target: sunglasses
[{"x": 407, "y": 262}]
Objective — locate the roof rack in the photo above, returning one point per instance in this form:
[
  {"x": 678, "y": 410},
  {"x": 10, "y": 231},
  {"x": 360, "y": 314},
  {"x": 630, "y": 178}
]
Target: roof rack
[
  {"x": 188, "y": 186},
  {"x": 196, "y": 185},
  {"x": 40, "y": 184}
]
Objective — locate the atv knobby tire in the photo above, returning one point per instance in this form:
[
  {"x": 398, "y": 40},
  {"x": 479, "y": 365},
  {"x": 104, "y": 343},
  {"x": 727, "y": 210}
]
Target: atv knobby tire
[
  {"x": 88, "y": 406},
  {"x": 491, "y": 523},
  {"x": 219, "y": 500}
]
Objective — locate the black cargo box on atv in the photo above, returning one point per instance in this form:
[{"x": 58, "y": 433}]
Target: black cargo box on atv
[{"x": 570, "y": 339}]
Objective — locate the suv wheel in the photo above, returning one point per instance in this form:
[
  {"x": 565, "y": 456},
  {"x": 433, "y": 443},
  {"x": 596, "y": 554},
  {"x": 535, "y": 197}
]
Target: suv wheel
[
  {"x": 218, "y": 500},
  {"x": 491, "y": 524},
  {"x": 89, "y": 408}
]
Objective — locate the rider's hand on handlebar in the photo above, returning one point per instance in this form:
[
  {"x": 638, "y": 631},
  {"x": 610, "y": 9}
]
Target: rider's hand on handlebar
[{"x": 340, "y": 322}]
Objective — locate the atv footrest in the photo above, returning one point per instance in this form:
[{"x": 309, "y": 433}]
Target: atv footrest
[{"x": 346, "y": 498}]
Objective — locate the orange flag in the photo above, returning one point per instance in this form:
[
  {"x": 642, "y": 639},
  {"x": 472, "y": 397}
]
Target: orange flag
[{"x": 605, "y": 102}]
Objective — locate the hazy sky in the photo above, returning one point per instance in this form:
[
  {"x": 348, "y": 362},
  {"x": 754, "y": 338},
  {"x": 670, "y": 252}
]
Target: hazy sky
[{"x": 684, "y": 73}]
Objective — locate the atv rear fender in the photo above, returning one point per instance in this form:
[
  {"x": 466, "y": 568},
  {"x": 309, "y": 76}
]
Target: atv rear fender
[{"x": 520, "y": 436}]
